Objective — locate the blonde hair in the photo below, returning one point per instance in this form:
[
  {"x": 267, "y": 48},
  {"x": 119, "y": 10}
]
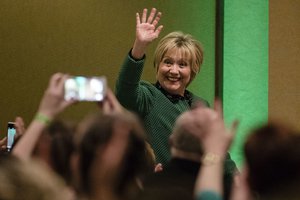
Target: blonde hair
[{"x": 190, "y": 47}]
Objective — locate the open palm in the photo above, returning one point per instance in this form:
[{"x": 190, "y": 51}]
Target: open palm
[{"x": 146, "y": 30}]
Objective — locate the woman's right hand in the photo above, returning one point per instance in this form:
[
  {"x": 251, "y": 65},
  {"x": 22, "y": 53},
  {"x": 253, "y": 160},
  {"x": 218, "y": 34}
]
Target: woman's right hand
[{"x": 146, "y": 31}]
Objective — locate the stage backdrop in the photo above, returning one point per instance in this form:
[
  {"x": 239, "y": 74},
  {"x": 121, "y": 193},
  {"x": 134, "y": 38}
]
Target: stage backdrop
[{"x": 245, "y": 70}]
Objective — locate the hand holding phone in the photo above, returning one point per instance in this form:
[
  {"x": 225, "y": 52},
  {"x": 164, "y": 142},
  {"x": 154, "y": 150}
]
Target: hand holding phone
[
  {"x": 11, "y": 132},
  {"x": 82, "y": 88}
]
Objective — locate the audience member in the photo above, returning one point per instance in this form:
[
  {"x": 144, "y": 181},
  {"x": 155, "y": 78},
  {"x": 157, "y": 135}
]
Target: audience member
[
  {"x": 55, "y": 147},
  {"x": 272, "y": 155},
  {"x": 50, "y": 106},
  {"x": 209, "y": 128},
  {"x": 21, "y": 180},
  {"x": 271, "y": 170},
  {"x": 177, "y": 180},
  {"x": 96, "y": 172}
]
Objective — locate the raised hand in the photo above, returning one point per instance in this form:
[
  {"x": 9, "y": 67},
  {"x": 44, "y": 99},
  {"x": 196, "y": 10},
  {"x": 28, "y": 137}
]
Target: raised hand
[
  {"x": 208, "y": 125},
  {"x": 146, "y": 31},
  {"x": 3, "y": 143},
  {"x": 110, "y": 104},
  {"x": 20, "y": 126},
  {"x": 52, "y": 104},
  {"x": 53, "y": 101},
  {"x": 217, "y": 137}
]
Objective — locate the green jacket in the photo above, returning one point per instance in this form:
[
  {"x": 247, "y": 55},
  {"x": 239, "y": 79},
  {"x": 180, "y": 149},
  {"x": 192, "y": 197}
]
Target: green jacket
[{"x": 157, "y": 109}]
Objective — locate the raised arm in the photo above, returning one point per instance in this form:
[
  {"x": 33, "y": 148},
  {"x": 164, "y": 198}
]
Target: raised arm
[
  {"x": 130, "y": 93},
  {"x": 146, "y": 31},
  {"x": 51, "y": 105},
  {"x": 209, "y": 127}
]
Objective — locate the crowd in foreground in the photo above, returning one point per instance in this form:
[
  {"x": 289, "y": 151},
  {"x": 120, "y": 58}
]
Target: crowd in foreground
[{"x": 106, "y": 156}]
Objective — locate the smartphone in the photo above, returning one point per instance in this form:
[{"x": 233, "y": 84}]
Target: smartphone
[
  {"x": 11, "y": 132},
  {"x": 83, "y": 88}
]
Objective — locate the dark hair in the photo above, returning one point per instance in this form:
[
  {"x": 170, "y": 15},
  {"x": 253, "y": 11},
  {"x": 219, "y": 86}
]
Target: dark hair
[
  {"x": 96, "y": 135},
  {"x": 273, "y": 156},
  {"x": 61, "y": 147}
]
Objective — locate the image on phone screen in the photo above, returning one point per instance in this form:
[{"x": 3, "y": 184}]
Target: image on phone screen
[
  {"x": 11, "y": 132},
  {"x": 85, "y": 88}
]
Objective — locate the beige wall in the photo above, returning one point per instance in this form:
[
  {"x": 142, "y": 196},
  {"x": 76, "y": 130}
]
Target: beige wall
[
  {"x": 81, "y": 37},
  {"x": 284, "y": 61}
]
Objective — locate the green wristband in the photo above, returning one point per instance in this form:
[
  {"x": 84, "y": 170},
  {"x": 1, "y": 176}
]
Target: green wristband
[{"x": 42, "y": 118}]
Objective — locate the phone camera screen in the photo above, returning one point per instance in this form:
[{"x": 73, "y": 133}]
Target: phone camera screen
[
  {"x": 85, "y": 89},
  {"x": 11, "y": 132}
]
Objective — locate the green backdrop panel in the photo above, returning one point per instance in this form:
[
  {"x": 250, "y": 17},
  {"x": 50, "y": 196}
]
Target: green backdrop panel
[{"x": 245, "y": 86}]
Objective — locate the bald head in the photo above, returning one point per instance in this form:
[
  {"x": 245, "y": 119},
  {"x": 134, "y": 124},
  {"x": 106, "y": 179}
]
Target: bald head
[{"x": 190, "y": 127}]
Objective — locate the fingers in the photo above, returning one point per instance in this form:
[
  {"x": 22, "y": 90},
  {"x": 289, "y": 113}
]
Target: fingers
[
  {"x": 111, "y": 104},
  {"x": 61, "y": 83},
  {"x": 54, "y": 80},
  {"x": 138, "y": 20},
  {"x": 20, "y": 126},
  {"x": 152, "y": 19},
  {"x": 144, "y": 16},
  {"x": 234, "y": 127},
  {"x": 151, "y": 16},
  {"x": 158, "y": 30},
  {"x": 57, "y": 82},
  {"x": 158, "y": 168},
  {"x": 117, "y": 106},
  {"x": 157, "y": 18},
  {"x": 3, "y": 142},
  {"x": 106, "y": 108}
]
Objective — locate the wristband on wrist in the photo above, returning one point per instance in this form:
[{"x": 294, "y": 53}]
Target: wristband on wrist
[
  {"x": 42, "y": 118},
  {"x": 211, "y": 159}
]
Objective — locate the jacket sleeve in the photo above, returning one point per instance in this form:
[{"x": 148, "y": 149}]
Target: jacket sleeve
[{"x": 131, "y": 92}]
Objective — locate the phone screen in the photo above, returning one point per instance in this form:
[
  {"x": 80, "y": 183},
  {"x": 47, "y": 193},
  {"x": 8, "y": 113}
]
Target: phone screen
[
  {"x": 11, "y": 132},
  {"x": 85, "y": 88}
]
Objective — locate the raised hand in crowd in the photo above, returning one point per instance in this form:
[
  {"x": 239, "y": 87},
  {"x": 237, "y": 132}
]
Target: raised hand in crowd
[
  {"x": 110, "y": 104},
  {"x": 215, "y": 138},
  {"x": 3, "y": 143},
  {"x": 51, "y": 104},
  {"x": 20, "y": 126}
]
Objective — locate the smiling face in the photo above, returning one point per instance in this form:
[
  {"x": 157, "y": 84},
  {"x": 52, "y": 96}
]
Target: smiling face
[
  {"x": 177, "y": 58},
  {"x": 174, "y": 71}
]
